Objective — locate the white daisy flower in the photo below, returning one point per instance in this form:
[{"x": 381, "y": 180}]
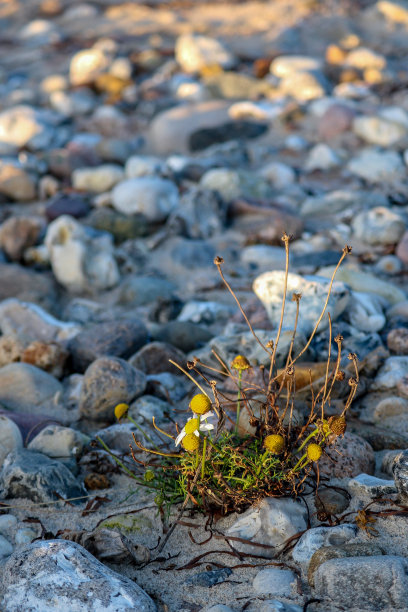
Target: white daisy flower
[{"x": 194, "y": 425}]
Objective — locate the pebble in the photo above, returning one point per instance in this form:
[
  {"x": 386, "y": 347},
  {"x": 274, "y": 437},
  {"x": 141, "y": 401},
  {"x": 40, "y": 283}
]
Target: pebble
[
  {"x": 368, "y": 583},
  {"x": 57, "y": 442},
  {"x": 97, "y": 180},
  {"x": 390, "y": 373},
  {"x": 65, "y": 564},
  {"x": 276, "y": 582},
  {"x": 141, "y": 290},
  {"x": 400, "y": 473},
  {"x": 269, "y": 288},
  {"x": 143, "y": 165},
  {"x": 285, "y": 65},
  {"x": 321, "y": 157},
  {"x": 397, "y": 341},
  {"x": 18, "y": 234},
  {"x": 16, "y": 183},
  {"x": 34, "y": 476},
  {"x": 378, "y": 226},
  {"x": 109, "y": 381},
  {"x": 10, "y": 437},
  {"x": 154, "y": 358},
  {"x": 316, "y": 538},
  {"x": 194, "y": 52},
  {"x": 378, "y": 131},
  {"x": 86, "y": 65},
  {"x": 154, "y": 197},
  {"x": 377, "y": 166},
  {"x": 370, "y": 486},
  {"x": 79, "y": 260},
  {"x": 272, "y": 522},
  {"x": 210, "y": 578},
  {"x": 113, "y": 338}
]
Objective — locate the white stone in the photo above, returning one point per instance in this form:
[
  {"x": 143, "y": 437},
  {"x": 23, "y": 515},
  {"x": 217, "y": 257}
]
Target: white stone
[
  {"x": 378, "y": 226},
  {"x": 390, "y": 406},
  {"x": 280, "y": 175},
  {"x": 363, "y": 281},
  {"x": 377, "y": 166},
  {"x": 152, "y": 196},
  {"x": 10, "y": 437},
  {"x": 367, "y": 485},
  {"x": 56, "y": 441},
  {"x": 29, "y": 322},
  {"x": 289, "y": 64},
  {"x": 98, "y": 179},
  {"x": 321, "y": 157},
  {"x": 24, "y": 536},
  {"x": 79, "y": 260},
  {"x": 396, "y": 114},
  {"x": 330, "y": 203},
  {"x": 6, "y": 548},
  {"x": 269, "y": 289},
  {"x": 19, "y": 124},
  {"x": 378, "y": 131},
  {"x": 389, "y": 264},
  {"x": 223, "y": 180},
  {"x": 272, "y": 522},
  {"x": 86, "y": 65},
  {"x": 263, "y": 110},
  {"x": 303, "y": 86},
  {"x": 275, "y": 581},
  {"x": 365, "y": 312},
  {"x": 393, "y": 370},
  {"x": 143, "y": 165},
  {"x": 317, "y": 537},
  {"x": 193, "y": 52},
  {"x": 205, "y": 312},
  {"x": 363, "y": 58},
  {"x": 274, "y": 605},
  {"x": 396, "y": 12},
  {"x": 8, "y": 523}
]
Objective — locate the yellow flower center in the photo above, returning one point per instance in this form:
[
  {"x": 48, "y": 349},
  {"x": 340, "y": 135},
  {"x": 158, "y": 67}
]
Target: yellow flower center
[
  {"x": 190, "y": 442},
  {"x": 200, "y": 404},
  {"x": 240, "y": 363},
  {"x": 314, "y": 452},
  {"x": 274, "y": 443},
  {"x": 191, "y": 426},
  {"x": 120, "y": 410}
]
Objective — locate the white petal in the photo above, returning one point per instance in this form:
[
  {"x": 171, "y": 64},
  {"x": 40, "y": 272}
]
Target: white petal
[
  {"x": 180, "y": 436},
  {"x": 206, "y": 427},
  {"x": 196, "y": 433},
  {"x": 206, "y": 415}
]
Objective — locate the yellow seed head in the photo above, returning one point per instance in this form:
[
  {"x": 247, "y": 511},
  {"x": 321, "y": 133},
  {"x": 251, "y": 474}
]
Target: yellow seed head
[
  {"x": 121, "y": 410},
  {"x": 191, "y": 426},
  {"x": 240, "y": 363},
  {"x": 200, "y": 404},
  {"x": 148, "y": 476},
  {"x": 275, "y": 443},
  {"x": 314, "y": 452},
  {"x": 326, "y": 427},
  {"x": 338, "y": 425},
  {"x": 190, "y": 442}
]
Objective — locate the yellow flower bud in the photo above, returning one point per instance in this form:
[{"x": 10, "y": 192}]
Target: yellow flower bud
[
  {"x": 190, "y": 442},
  {"x": 314, "y": 452},
  {"x": 240, "y": 363},
  {"x": 121, "y": 410},
  {"x": 275, "y": 443},
  {"x": 191, "y": 426},
  {"x": 200, "y": 404}
]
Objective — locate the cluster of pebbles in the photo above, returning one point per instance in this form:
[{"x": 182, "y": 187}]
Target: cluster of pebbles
[{"x": 137, "y": 142}]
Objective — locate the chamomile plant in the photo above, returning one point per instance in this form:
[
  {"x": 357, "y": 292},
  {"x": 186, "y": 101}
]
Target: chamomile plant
[{"x": 210, "y": 461}]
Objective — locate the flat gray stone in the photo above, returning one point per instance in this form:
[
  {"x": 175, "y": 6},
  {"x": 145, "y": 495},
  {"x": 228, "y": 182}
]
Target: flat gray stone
[{"x": 58, "y": 575}]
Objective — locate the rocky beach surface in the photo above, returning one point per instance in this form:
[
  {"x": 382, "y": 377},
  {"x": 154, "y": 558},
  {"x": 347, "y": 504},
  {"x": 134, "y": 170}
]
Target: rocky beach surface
[{"x": 137, "y": 142}]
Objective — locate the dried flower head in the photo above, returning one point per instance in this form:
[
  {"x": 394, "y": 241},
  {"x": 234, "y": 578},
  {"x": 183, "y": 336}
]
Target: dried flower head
[
  {"x": 190, "y": 442},
  {"x": 121, "y": 410},
  {"x": 274, "y": 443},
  {"x": 200, "y": 403},
  {"x": 240, "y": 363},
  {"x": 338, "y": 425},
  {"x": 314, "y": 452}
]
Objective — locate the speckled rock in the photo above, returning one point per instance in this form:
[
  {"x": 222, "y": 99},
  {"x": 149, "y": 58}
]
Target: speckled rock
[
  {"x": 107, "y": 382},
  {"x": 356, "y": 456}
]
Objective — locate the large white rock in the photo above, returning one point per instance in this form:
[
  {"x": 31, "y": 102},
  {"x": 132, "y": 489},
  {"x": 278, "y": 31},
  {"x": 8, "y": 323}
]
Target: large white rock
[
  {"x": 79, "y": 260},
  {"x": 317, "y": 537},
  {"x": 53, "y": 575},
  {"x": 365, "y": 312},
  {"x": 152, "y": 196},
  {"x": 269, "y": 289},
  {"x": 272, "y": 522},
  {"x": 194, "y": 52},
  {"x": 57, "y": 442},
  {"x": 388, "y": 376}
]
